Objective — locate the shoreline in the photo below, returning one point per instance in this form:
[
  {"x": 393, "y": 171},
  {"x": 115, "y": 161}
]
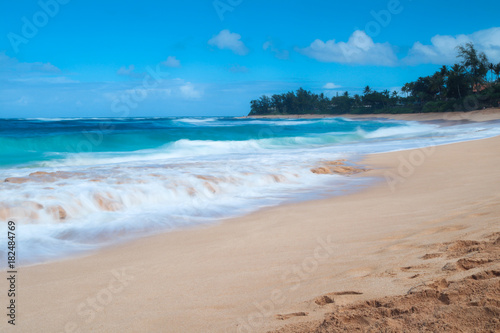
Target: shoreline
[
  {"x": 474, "y": 116},
  {"x": 226, "y": 277}
]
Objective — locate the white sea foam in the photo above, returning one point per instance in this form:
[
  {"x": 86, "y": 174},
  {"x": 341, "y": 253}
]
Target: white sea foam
[
  {"x": 98, "y": 205},
  {"x": 195, "y": 120},
  {"x": 400, "y": 131}
]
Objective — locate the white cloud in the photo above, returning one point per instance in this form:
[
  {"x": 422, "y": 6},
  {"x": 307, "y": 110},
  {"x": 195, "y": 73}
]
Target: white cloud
[
  {"x": 172, "y": 62},
  {"x": 189, "y": 91},
  {"x": 442, "y": 50},
  {"x": 331, "y": 85},
  {"x": 167, "y": 89},
  {"x": 125, "y": 70},
  {"x": 280, "y": 54},
  {"x": 359, "y": 49},
  {"x": 8, "y": 64},
  {"x": 230, "y": 41},
  {"x": 27, "y": 75}
]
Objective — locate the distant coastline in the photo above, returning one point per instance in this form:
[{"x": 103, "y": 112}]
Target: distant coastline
[
  {"x": 478, "y": 115},
  {"x": 466, "y": 86}
]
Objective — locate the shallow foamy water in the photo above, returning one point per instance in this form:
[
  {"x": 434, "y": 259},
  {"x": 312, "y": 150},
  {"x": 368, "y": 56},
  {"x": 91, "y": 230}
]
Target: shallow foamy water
[{"x": 73, "y": 185}]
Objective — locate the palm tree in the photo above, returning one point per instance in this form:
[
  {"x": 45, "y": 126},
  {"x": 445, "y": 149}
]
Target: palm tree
[
  {"x": 367, "y": 90},
  {"x": 475, "y": 63},
  {"x": 443, "y": 70},
  {"x": 491, "y": 67},
  {"x": 394, "y": 97},
  {"x": 496, "y": 69},
  {"x": 444, "y": 73},
  {"x": 276, "y": 103},
  {"x": 357, "y": 100},
  {"x": 437, "y": 82},
  {"x": 456, "y": 81},
  {"x": 406, "y": 89}
]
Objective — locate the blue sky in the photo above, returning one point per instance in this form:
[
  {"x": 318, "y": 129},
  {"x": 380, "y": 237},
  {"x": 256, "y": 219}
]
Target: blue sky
[{"x": 67, "y": 58}]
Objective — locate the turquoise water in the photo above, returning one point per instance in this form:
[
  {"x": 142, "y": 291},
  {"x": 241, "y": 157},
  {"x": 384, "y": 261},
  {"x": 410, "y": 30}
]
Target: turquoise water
[
  {"x": 28, "y": 143},
  {"x": 75, "y": 185}
]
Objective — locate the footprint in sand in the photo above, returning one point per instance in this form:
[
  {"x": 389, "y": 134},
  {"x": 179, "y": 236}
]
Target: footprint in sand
[
  {"x": 467, "y": 264},
  {"x": 412, "y": 268},
  {"x": 342, "y": 293},
  {"x": 328, "y": 298},
  {"x": 485, "y": 275},
  {"x": 432, "y": 256},
  {"x": 290, "y": 315},
  {"x": 323, "y": 300}
]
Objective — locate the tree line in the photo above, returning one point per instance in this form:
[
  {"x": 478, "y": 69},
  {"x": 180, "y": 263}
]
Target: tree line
[{"x": 472, "y": 83}]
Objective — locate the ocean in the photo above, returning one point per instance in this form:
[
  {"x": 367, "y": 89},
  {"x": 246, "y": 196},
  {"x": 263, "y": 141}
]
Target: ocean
[{"x": 74, "y": 185}]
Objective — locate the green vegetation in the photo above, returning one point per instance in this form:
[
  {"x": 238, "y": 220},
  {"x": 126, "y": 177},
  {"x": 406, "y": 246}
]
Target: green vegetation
[{"x": 471, "y": 84}]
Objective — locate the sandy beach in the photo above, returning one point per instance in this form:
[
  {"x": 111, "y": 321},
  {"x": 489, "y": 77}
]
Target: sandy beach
[
  {"x": 475, "y": 116},
  {"x": 413, "y": 244}
]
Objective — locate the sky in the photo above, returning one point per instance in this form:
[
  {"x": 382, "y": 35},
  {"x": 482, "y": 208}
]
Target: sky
[{"x": 74, "y": 58}]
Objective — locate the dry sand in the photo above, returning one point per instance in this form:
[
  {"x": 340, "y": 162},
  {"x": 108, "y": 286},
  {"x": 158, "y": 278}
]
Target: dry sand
[
  {"x": 272, "y": 269},
  {"x": 450, "y": 303}
]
